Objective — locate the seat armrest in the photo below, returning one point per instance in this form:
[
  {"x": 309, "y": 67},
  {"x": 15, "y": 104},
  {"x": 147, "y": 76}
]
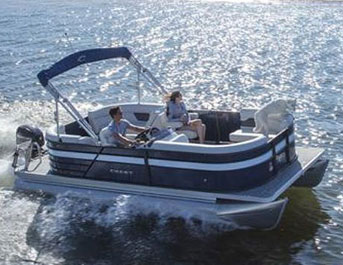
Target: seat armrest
[{"x": 193, "y": 115}]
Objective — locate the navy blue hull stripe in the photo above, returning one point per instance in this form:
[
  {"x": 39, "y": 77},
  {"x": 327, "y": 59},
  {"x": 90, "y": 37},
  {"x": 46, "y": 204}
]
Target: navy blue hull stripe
[
  {"x": 171, "y": 155},
  {"x": 165, "y": 163}
]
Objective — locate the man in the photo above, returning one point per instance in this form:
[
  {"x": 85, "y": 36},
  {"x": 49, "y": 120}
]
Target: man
[{"x": 118, "y": 127}]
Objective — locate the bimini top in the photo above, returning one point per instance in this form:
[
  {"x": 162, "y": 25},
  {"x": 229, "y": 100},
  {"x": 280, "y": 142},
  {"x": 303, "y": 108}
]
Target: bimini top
[
  {"x": 82, "y": 57},
  {"x": 89, "y": 56}
]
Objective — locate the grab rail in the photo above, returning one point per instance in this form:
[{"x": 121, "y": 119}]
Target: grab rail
[{"x": 283, "y": 135}]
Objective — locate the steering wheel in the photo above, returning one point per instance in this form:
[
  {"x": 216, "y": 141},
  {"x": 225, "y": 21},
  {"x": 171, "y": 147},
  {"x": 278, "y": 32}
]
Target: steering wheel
[{"x": 143, "y": 136}]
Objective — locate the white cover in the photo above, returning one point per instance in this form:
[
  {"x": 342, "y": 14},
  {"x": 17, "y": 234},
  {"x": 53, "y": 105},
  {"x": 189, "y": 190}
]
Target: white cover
[
  {"x": 276, "y": 123},
  {"x": 274, "y": 116}
]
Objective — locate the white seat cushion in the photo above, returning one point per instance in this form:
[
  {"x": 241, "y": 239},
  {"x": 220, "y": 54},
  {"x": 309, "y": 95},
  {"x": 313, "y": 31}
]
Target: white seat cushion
[
  {"x": 240, "y": 136},
  {"x": 98, "y": 119},
  {"x": 51, "y": 135},
  {"x": 161, "y": 122},
  {"x": 181, "y": 138},
  {"x": 106, "y": 137},
  {"x": 211, "y": 149},
  {"x": 189, "y": 133}
]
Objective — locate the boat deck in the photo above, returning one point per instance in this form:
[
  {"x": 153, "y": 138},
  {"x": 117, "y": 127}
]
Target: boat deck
[
  {"x": 40, "y": 179},
  {"x": 285, "y": 178}
]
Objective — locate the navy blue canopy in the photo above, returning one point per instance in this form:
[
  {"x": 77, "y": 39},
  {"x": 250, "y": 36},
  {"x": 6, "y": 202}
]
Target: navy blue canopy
[{"x": 82, "y": 57}]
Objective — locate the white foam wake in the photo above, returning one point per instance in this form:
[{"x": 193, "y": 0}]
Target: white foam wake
[
  {"x": 6, "y": 173},
  {"x": 70, "y": 212}
]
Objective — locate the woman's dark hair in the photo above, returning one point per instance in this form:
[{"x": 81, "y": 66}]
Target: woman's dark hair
[
  {"x": 113, "y": 111},
  {"x": 174, "y": 95}
]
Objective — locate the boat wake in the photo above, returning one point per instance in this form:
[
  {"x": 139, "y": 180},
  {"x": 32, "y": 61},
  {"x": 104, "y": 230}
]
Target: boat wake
[
  {"x": 7, "y": 136},
  {"x": 6, "y": 174},
  {"x": 7, "y": 147},
  {"x": 65, "y": 212},
  {"x": 69, "y": 225}
]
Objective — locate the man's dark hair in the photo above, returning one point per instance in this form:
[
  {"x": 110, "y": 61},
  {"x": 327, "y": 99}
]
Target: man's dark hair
[{"x": 113, "y": 111}]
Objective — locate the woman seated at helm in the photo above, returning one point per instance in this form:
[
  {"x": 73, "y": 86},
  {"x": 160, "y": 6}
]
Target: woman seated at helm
[{"x": 177, "y": 111}]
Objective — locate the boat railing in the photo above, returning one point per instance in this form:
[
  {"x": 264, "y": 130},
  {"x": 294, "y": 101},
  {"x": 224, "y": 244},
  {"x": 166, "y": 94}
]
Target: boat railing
[{"x": 282, "y": 146}]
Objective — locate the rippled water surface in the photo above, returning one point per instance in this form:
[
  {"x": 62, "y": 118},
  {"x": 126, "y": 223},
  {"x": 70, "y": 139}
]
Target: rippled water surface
[{"x": 223, "y": 55}]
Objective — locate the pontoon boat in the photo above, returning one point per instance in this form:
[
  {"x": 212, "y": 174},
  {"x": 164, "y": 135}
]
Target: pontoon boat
[{"x": 237, "y": 175}]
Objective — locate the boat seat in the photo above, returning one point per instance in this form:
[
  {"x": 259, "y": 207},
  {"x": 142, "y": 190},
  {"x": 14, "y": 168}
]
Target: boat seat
[
  {"x": 100, "y": 118},
  {"x": 180, "y": 138},
  {"x": 161, "y": 122},
  {"x": 240, "y": 136},
  {"x": 51, "y": 135},
  {"x": 276, "y": 121},
  {"x": 247, "y": 116},
  {"x": 106, "y": 137},
  {"x": 247, "y": 146}
]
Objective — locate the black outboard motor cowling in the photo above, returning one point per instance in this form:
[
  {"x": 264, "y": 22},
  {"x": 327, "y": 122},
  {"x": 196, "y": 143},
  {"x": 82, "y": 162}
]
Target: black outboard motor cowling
[{"x": 30, "y": 133}]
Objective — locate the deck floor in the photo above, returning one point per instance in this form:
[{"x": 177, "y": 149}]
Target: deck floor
[
  {"x": 285, "y": 178},
  {"x": 267, "y": 192}
]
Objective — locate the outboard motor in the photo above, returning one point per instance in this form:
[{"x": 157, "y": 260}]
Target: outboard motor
[
  {"x": 33, "y": 134},
  {"x": 29, "y": 140}
]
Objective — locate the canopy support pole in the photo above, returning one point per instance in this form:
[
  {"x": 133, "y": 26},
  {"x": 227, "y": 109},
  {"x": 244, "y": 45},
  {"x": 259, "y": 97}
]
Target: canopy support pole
[
  {"x": 147, "y": 75},
  {"x": 139, "y": 87},
  {"x": 57, "y": 119},
  {"x": 69, "y": 107}
]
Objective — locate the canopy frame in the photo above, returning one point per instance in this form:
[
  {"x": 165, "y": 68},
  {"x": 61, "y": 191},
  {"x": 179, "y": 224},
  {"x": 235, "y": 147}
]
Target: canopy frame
[{"x": 88, "y": 56}]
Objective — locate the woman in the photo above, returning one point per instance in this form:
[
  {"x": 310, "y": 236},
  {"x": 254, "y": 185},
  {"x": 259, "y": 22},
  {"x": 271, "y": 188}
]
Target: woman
[{"x": 177, "y": 111}]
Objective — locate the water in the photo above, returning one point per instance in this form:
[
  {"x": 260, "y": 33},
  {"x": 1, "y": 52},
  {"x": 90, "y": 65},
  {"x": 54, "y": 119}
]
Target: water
[{"x": 222, "y": 55}]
